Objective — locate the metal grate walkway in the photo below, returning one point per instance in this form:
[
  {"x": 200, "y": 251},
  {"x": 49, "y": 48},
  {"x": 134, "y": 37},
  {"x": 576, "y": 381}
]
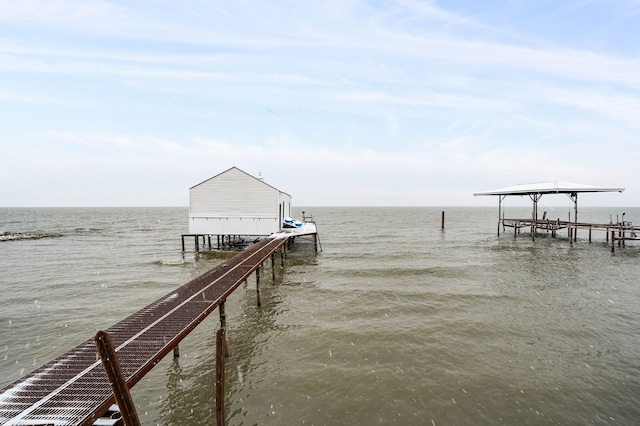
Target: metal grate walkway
[{"x": 73, "y": 389}]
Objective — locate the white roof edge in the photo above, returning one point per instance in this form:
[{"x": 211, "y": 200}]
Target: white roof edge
[{"x": 552, "y": 187}]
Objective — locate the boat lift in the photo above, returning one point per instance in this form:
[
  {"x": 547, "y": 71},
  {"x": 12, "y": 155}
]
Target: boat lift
[{"x": 535, "y": 191}]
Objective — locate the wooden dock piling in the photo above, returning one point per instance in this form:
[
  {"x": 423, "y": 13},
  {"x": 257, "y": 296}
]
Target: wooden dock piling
[
  {"x": 113, "y": 369},
  {"x": 223, "y": 325},
  {"x": 258, "y": 286},
  {"x": 273, "y": 267},
  {"x": 220, "y": 360}
]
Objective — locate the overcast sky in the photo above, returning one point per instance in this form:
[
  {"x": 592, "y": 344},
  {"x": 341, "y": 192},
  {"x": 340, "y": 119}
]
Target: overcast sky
[{"x": 345, "y": 102}]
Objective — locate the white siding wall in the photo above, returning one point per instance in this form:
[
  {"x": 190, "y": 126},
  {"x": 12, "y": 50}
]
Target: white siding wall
[
  {"x": 234, "y": 203},
  {"x": 233, "y": 226}
]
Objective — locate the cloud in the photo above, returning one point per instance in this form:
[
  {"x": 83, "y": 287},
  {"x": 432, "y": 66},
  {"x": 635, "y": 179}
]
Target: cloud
[
  {"x": 351, "y": 102},
  {"x": 127, "y": 144},
  {"x": 60, "y": 11}
]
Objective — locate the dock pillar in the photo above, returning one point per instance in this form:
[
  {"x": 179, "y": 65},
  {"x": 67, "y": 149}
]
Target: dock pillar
[
  {"x": 258, "y": 286},
  {"x": 613, "y": 241},
  {"x": 500, "y": 213},
  {"x": 273, "y": 267},
  {"x": 223, "y": 325},
  {"x": 118, "y": 382},
  {"x": 220, "y": 355},
  {"x": 223, "y": 315}
]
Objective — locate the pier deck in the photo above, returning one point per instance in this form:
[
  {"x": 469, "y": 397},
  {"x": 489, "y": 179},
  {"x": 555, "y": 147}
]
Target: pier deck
[
  {"x": 73, "y": 389},
  {"x": 620, "y": 231}
]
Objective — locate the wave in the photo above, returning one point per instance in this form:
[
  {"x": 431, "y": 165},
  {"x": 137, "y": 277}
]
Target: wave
[
  {"x": 13, "y": 236},
  {"x": 178, "y": 262}
]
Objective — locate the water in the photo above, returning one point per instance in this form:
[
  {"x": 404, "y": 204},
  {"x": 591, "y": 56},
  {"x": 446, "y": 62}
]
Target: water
[{"x": 395, "y": 322}]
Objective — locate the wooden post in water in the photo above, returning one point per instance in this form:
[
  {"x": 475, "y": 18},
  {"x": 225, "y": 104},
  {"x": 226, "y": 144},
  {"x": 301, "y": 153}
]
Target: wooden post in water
[
  {"x": 500, "y": 213},
  {"x": 442, "y": 226},
  {"x": 534, "y": 230},
  {"x": 118, "y": 382},
  {"x": 223, "y": 315},
  {"x": 273, "y": 267},
  {"x": 258, "y": 286},
  {"x": 220, "y": 355},
  {"x": 571, "y": 231},
  {"x": 223, "y": 325},
  {"x": 613, "y": 241}
]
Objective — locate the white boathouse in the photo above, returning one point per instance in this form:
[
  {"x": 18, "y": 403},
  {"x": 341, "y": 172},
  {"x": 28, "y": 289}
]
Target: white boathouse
[{"x": 235, "y": 203}]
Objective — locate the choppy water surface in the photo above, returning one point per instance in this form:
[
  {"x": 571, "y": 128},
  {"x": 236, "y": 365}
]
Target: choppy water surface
[{"x": 395, "y": 322}]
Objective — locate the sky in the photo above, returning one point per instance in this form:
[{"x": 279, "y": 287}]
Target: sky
[{"x": 338, "y": 103}]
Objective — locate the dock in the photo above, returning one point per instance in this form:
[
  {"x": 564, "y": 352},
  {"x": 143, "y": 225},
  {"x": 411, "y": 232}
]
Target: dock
[
  {"x": 74, "y": 388},
  {"x": 615, "y": 231},
  {"x": 619, "y": 231}
]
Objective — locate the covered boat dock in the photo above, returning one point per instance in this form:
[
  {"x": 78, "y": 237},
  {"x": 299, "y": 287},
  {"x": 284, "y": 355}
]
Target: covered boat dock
[{"x": 620, "y": 230}]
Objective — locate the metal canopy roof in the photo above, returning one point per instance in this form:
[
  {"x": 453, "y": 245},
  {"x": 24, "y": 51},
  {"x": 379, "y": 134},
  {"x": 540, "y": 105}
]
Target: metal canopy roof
[{"x": 552, "y": 187}]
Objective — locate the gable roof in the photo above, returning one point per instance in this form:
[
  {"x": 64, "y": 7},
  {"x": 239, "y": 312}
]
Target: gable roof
[
  {"x": 241, "y": 171},
  {"x": 552, "y": 187}
]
